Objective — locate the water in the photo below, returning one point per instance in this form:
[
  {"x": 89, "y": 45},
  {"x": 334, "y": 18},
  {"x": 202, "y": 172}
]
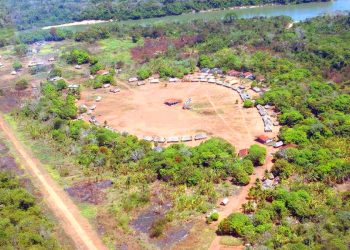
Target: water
[{"x": 298, "y": 12}]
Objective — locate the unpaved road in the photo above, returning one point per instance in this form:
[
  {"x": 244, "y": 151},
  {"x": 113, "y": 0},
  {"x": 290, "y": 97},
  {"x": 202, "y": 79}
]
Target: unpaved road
[
  {"x": 236, "y": 201},
  {"x": 75, "y": 226}
]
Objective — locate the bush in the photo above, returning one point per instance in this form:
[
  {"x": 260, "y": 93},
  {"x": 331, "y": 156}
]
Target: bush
[
  {"x": 97, "y": 85},
  {"x": 214, "y": 216},
  {"x": 17, "y": 65},
  {"x": 78, "y": 56},
  {"x": 61, "y": 84},
  {"x": 248, "y": 104},
  {"x": 257, "y": 155},
  {"x": 96, "y": 67},
  {"x": 236, "y": 224},
  {"x": 144, "y": 73},
  {"x": 55, "y": 72},
  {"x": 21, "y": 84}
]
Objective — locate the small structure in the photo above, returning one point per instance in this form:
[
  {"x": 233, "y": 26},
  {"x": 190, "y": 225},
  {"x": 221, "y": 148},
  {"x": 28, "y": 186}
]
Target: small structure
[
  {"x": 133, "y": 79},
  {"x": 140, "y": 83},
  {"x": 14, "y": 73},
  {"x": 102, "y": 72},
  {"x": 234, "y": 73},
  {"x": 73, "y": 86},
  {"x": 187, "y": 103},
  {"x": 155, "y": 81},
  {"x": 51, "y": 59},
  {"x": 186, "y": 138},
  {"x": 205, "y": 70},
  {"x": 278, "y": 144},
  {"x": 211, "y": 80},
  {"x": 148, "y": 138},
  {"x": 114, "y": 90},
  {"x": 158, "y": 149},
  {"x": 257, "y": 89},
  {"x": 172, "y": 101},
  {"x": 200, "y": 136},
  {"x": 55, "y": 79},
  {"x": 77, "y": 66},
  {"x": 159, "y": 139},
  {"x": 107, "y": 85},
  {"x": 267, "y": 184},
  {"x": 260, "y": 78},
  {"x": 243, "y": 152},
  {"x": 98, "y": 99},
  {"x": 224, "y": 202},
  {"x": 93, "y": 107},
  {"x": 173, "y": 79},
  {"x": 173, "y": 139},
  {"x": 248, "y": 75},
  {"x": 263, "y": 139}
]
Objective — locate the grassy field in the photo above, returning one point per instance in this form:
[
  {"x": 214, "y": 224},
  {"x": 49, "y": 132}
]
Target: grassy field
[{"x": 113, "y": 50}]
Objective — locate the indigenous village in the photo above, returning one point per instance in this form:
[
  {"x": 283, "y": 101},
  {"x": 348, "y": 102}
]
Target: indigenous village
[{"x": 205, "y": 134}]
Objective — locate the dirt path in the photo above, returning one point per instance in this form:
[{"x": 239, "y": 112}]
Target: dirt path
[
  {"x": 76, "y": 226},
  {"x": 236, "y": 201}
]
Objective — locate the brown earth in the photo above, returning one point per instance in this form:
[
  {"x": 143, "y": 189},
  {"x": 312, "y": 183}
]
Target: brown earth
[
  {"x": 75, "y": 226},
  {"x": 141, "y": 111}
]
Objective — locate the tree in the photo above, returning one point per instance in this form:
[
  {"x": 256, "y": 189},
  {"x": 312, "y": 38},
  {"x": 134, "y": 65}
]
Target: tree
[
  {"x": 290, "y": 117},
  {"x": 230, "y": 17},
  {"x": 235, "y": 224},
  {"x": 257, "y": 155}
]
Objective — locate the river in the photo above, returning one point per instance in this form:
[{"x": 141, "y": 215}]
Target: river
[{"x": 297, "y": 12}]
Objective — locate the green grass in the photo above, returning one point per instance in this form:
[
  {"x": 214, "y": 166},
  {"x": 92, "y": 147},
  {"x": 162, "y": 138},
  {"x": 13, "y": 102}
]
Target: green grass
[
  {"x": 112, "y": 50},
  {"x": 230, "y": 241},
  {"x": 88, "y": 211},
  {"x": 47, "y": 49}
]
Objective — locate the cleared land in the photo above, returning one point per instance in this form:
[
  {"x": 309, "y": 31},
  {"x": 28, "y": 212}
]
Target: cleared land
[{"x": 141, "y": 111}]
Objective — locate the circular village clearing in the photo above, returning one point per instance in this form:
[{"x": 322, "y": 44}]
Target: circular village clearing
[{"x": 189, "y": 110}]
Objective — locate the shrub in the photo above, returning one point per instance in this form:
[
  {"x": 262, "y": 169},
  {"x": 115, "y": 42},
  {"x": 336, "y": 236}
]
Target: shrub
[
  {"x": 97, "y": 84},
  {"x": 235, "y": 224},
  {"x": 248, "y": 104},
  {"x": 214, "y": 216},
  {"x": 78, "y": 56},
  {"x": 17, "y": 65},
  {"x": 55, "y": 72},
  {"x": 144, "y": 73},
  {"x": 96, "y": 67},
  {"x": 61, "y": 84},
  {"x": 21, "y": 84}
]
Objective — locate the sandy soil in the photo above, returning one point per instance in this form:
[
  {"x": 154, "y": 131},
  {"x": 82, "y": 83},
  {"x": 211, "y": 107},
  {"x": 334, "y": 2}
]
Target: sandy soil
[
  {"x": 75, "y": 226},
  {"x": 141, "y": 111},
  {"x": 86, "y": 22}
]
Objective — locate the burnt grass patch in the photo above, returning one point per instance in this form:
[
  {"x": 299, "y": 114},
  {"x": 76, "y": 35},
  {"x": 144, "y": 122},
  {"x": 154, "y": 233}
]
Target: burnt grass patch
[
  {"x": 9, "y": 164},
  {"x": 153, "y": 223},
  {"x": 89, "y": 191}
]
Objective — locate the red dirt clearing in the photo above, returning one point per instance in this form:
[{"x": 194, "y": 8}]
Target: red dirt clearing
[{"x": 141, "y": 111}]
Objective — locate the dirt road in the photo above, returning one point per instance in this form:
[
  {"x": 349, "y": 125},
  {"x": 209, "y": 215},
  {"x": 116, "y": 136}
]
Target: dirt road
[
  {"x": 75, "y": 226},
  {"x": 236, "y": 201}
]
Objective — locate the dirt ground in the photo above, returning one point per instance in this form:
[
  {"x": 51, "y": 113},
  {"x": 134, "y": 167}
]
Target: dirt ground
[{"x": 141, "y": 111}]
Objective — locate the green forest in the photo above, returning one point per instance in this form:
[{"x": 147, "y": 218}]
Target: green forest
[
  {"x": 307, "y": 70},
  {"x": 29, "y": 14}
]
